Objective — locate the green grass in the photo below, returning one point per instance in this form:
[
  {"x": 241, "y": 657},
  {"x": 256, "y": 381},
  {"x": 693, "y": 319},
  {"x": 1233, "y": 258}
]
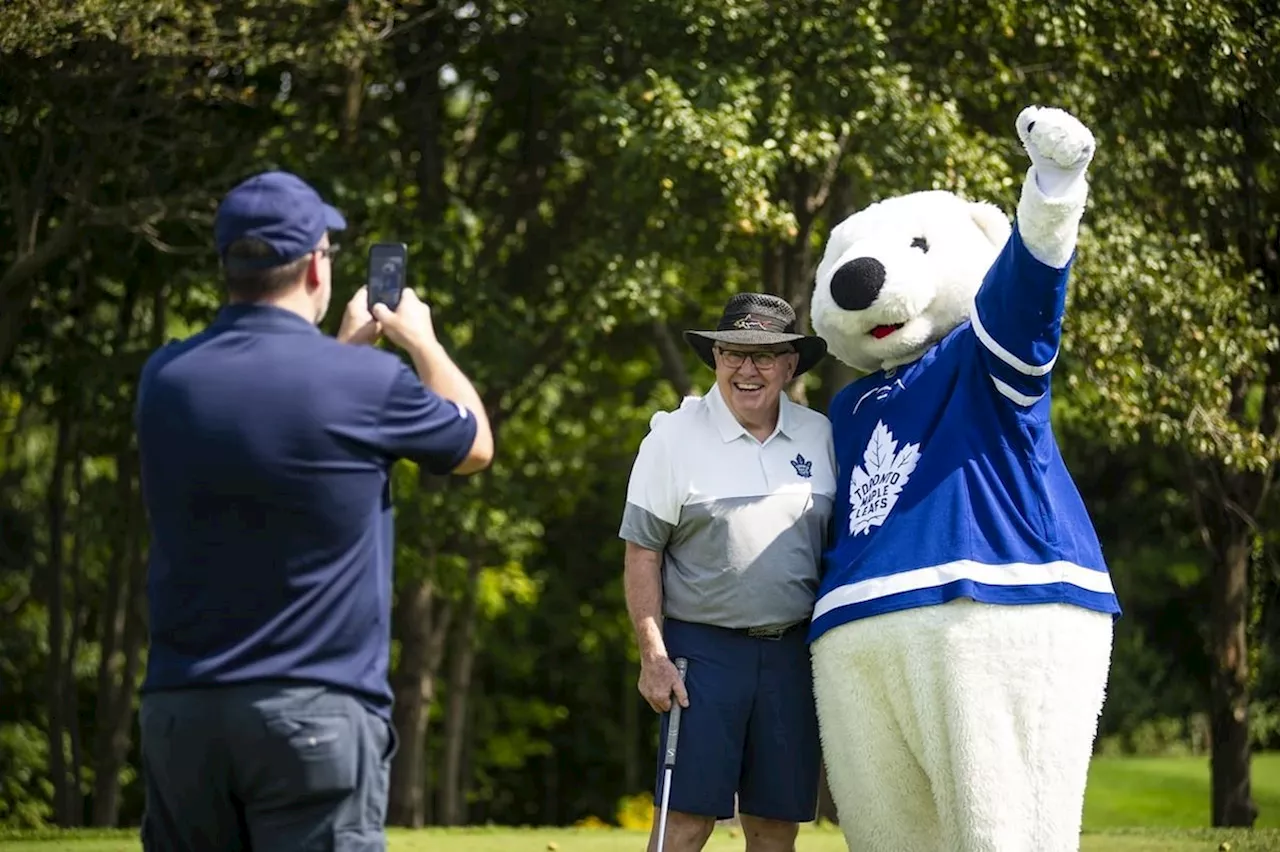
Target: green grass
[
  {"x": 1132, "y": 805},
  {"x": 1169, "y": 792},
  {"x": 823, "y": 839}
]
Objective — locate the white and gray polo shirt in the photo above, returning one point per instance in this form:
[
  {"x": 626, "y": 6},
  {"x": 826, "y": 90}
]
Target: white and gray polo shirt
[{"x": 741, "y": 523}]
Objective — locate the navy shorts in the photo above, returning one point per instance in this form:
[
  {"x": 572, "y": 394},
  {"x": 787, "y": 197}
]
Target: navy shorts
[
  {"x": 750, "y": 727},
  {"x": 263, "y": 767}
]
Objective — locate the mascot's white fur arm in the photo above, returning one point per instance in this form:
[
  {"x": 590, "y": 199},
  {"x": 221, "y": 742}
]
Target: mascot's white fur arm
[
  {"x": 949, "y": 724},
  {"x": 1055, "y": 190}
]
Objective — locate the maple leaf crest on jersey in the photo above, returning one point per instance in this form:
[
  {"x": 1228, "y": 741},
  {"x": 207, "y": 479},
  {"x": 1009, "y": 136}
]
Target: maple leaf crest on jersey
[{"x": 877, "y": 482}]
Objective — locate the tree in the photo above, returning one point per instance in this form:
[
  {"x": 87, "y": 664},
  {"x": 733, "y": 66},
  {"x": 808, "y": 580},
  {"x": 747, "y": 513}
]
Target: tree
[
  {"x": 1170, "y": 337},
  {"x": 1184, "y": 345}
]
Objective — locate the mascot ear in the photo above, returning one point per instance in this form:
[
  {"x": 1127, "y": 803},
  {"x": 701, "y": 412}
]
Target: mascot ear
[{"x": 991, "y": 220}]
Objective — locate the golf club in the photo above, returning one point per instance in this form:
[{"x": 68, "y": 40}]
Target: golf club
[{"x": 669, "y": 760}]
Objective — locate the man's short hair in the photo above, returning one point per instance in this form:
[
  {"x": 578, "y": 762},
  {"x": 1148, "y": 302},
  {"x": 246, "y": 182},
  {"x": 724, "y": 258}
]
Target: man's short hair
[{"x": 255, "y": 284}]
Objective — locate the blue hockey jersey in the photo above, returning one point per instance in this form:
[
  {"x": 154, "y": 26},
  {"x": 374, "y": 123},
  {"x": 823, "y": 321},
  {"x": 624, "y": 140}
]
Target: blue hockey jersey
[{"x": 950, "y": 481}]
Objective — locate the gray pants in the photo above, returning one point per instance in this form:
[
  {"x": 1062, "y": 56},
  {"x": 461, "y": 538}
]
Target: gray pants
[{"x": 271, "y": 766}]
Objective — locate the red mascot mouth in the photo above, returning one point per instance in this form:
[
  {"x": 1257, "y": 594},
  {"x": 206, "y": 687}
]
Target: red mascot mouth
[{"x": 882, "y": 331}]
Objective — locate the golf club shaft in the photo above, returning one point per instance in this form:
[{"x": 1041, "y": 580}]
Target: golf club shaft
[
  {"x": 669, "y": 759},
  {"x": 662, "y": 815}
]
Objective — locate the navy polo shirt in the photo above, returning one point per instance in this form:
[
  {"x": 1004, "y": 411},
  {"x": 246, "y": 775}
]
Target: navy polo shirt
[{"x": 266, "y": 448}]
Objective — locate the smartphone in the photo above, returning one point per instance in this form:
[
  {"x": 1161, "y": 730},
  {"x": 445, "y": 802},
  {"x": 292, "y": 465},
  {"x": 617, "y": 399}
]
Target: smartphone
[{"x": 388, "y": 265}]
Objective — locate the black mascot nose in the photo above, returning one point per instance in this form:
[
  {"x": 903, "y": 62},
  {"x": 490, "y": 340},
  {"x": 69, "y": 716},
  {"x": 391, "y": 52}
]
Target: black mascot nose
[{"x": 856, "y": 284}]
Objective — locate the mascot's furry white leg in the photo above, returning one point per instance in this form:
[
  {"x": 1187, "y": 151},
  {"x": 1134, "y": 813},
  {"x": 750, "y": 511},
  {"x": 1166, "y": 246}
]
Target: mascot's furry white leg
[
  {"x": 962, "y": 727},
  {"x": 968, "y": 727}
]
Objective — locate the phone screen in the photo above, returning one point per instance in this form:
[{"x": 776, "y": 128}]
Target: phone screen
[{"x": 387, "y": 263}]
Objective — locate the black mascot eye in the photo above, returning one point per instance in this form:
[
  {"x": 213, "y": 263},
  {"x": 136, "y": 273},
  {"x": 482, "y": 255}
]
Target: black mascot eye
[{"x": 920, "y": 243}]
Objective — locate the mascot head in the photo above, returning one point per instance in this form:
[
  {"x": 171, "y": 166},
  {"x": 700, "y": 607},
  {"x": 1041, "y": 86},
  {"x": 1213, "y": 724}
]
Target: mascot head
[{"x": 899, "y": 275}]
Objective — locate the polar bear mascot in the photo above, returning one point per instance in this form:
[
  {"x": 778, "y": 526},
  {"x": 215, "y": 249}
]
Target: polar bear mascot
[{"x": 962, "y": 633}]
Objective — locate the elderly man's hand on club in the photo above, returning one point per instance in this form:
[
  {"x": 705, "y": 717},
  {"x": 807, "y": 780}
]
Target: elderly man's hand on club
[{"x": 658, "y": 680}]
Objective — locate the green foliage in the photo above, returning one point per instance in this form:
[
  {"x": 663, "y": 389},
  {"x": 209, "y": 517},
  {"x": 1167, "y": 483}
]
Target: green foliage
[
  {"x": 24, "y": 789},
  {"x": 1160, "y": 335},
  {"x": 504, "y": 586}
]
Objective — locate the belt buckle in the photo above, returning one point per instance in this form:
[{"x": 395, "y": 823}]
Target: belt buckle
[{"x": 773, "y": 633}]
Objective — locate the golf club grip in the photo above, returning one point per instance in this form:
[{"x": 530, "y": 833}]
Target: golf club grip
[{"x": 673, "y": 723}]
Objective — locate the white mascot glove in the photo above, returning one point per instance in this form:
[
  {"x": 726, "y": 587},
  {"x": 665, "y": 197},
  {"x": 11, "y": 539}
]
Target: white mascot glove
[{"x": 1060, "y": 148}]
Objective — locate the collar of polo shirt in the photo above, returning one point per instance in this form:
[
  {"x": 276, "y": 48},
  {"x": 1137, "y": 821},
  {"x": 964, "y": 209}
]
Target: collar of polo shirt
[{"x": 729, "y": 426}]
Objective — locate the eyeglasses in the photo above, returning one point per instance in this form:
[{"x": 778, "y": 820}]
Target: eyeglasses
[
  {"x": 763, "y": 360},
  {"x": 329, "y": 250}
]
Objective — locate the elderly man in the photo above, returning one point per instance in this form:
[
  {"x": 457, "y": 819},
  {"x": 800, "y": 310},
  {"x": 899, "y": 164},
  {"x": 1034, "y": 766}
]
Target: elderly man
[
  {"x": 266, "y": 449},
  {"x": 725, "y": 521}
]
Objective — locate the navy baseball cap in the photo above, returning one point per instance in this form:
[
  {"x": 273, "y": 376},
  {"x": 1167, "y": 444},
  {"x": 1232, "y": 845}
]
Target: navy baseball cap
[{"x": 278, "y": 208}]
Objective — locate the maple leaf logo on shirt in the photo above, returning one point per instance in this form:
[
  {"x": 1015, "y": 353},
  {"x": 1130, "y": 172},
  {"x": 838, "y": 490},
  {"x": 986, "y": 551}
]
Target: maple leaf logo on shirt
[
  {"x": 877, "y": 482},
  {"x": 803, "y": 466}
]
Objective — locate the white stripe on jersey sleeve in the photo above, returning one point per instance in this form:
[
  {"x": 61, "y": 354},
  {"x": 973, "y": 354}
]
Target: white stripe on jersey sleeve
[
  {"x": 1004, "y": 354},
  {"x": 1006, "y": 390}
]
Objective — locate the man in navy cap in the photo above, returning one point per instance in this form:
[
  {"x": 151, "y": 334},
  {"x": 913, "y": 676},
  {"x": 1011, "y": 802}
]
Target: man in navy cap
[{"x": 265, "y": 450}]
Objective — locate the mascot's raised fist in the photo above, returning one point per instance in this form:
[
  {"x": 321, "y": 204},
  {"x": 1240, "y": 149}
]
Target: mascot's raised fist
[{"x": 1059, "y": 145}]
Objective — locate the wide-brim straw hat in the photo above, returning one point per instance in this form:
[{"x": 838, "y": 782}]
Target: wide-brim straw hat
[{"x": 758, "y": 319}]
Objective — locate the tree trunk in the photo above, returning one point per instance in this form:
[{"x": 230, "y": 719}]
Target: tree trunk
[
  {"x": 630, "y": 730},
  {"x": 1225, "y": 504},
  {"x": 71, "y": 691},
  {"x": 422, "y": 629},
  {"x": 111, "y": 626},
  {"x": 116, "y": 704},
  {"x": 354, "y": 88},
  {"x": 671, "y": 357},
  {"x": 114, "y": 605},
  {"x": 105, "y": 774},
  {"x": 56, "y": 503},
  {"x": 551, "y": 789},
  {"x": 1229, "y": 676},
  {"x": 115, "y": 681},
  {"x": 476, "y": 699},
  {"x": 121, "y": 710},
  {"x": 452, "y": 783}
]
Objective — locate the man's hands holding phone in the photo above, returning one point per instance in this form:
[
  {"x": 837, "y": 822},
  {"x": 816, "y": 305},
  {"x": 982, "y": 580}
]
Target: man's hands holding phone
[
  {"x": 409, "y": 326},
  {"x": 358, "y": 326}
]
